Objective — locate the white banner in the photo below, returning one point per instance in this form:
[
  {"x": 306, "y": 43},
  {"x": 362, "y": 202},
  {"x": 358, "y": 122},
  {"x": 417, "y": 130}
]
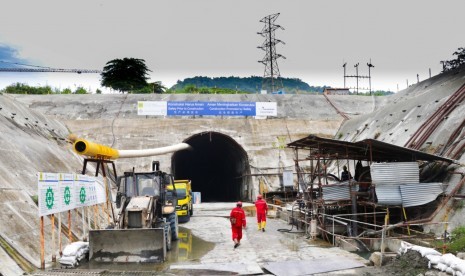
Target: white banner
[
  {"x": 266, "y": 109},
  {"x": 100, "y": 190},
  {"x": 152, "y": 108},
  {"x": 48, "y": 193},
  {"x": 60, "y": 192},
  {"x": 67, "y": 198}
]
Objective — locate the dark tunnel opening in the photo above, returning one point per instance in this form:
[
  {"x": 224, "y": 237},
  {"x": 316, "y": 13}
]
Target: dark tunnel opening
[{"x": 217, "y": 166}]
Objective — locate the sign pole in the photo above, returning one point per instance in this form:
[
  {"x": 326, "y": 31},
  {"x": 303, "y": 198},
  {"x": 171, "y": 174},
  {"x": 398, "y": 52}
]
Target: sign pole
[
  {"x": 59, "y": 234},
  {"x": 70, "y": 237},
  {"x": 42, "y": 244},
  {"x": 54, "y": 257}
]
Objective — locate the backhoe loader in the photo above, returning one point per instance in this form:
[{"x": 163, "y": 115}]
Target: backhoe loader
[{"x": 146, "y": 222}]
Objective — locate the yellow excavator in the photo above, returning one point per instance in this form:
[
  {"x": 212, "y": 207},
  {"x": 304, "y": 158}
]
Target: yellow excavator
[
  {"x": 145, "y": 224},
  {"x": 146, "y": 221}
]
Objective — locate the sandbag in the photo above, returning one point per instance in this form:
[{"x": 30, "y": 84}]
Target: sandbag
[{"x": 424, "y": 251}]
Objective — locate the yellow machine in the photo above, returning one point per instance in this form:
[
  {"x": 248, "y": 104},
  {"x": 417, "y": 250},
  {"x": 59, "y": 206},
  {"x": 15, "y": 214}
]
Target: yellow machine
[
  {"x": 184, "y": 244},
  {"x": 185, "y": 208},
  {"x": 147, "y": 219}
]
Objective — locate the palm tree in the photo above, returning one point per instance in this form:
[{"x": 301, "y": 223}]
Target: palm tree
[
  {"x": 158, "y": 87},
  {"x": 125, "y": 74}
]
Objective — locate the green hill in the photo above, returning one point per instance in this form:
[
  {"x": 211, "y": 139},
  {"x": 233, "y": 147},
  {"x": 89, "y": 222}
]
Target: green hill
[{"x": 249, "y": 84}]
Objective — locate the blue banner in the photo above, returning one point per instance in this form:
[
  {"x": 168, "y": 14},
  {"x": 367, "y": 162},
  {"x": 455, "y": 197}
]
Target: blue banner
[{"x": 211, "y": 108}]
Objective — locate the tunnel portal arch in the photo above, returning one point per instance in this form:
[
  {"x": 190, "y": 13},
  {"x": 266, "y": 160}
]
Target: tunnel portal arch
[{"x": 217, "y": 166}]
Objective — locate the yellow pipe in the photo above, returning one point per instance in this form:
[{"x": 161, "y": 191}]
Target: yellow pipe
[{"x": 91, "y": 149}]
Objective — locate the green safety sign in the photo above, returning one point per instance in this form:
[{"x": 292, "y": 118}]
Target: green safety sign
[
  {"x": 67, "y": 195},
  {"x": 49, "y": 198},
  {"x": 82, "y": 195}
]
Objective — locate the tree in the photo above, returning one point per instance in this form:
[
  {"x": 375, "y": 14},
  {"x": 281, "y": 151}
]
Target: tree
[
  {"x": 158, "y": 87},
  {"x": 125, "y": 74},
  {"x": 454, "y": 63}
]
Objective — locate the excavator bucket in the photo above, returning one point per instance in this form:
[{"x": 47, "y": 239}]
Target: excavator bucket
[{"x": 127, "y": 245}]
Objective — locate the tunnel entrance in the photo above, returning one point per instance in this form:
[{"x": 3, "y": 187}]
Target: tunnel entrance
[{"x": 217, "y": 166}]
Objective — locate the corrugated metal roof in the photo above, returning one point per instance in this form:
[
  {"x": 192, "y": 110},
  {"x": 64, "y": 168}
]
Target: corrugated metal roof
[
  {"x": 389, "y": 195},
  {"x": 420, "y": 193},
  {"x": 368, "y": 149},
  {"x": 394, "y": 173}
]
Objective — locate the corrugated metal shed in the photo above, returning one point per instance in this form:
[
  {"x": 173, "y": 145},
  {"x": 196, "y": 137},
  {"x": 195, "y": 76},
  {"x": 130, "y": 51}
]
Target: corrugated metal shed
[
  {"x": 420, "y": 193},
  {"x": 394, "y": 173}
]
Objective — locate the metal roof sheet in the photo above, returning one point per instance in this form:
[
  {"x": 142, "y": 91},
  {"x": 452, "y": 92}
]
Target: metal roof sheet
[
  {"x": 408, "y": 195},
  {"x": 368, "y": 149},
  {"x": 420, "y": 193},
  {"x": 389, "y": 195},
  {"x": 394, "y": 173},
  {"x": 336, "y": 192}
]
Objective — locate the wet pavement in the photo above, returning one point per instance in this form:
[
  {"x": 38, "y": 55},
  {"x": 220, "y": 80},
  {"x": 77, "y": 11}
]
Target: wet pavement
[
  {"x": 205, "y": 247},
  {"x": 258, "y": 248}
]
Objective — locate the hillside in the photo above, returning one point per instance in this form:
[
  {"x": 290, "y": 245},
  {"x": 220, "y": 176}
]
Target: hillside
[{"x": 249, "y": 84}]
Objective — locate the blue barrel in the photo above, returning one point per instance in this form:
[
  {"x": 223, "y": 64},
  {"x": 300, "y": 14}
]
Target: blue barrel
[{"x": 197, "y": 197}]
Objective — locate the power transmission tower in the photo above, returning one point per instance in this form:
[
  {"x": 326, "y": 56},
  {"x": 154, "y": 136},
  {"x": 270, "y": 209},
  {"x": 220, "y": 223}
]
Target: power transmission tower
[{"x": 271, "y": 78}]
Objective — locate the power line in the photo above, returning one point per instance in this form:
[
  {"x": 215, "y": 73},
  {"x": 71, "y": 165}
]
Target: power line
[{"x": 42, "y": 69}]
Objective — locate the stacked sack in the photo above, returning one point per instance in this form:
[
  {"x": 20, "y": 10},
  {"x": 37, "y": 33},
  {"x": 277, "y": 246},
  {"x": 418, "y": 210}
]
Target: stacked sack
[
  {"x": 448, "y": 263},
  {"x": 74, "y": 253}
]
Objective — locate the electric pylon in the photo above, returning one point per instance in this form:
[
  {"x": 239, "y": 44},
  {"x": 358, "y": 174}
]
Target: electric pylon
[{"x": 271, "y": 78}]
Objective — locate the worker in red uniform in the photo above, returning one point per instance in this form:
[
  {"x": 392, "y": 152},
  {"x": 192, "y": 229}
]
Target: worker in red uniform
[
  {"x": 237, "y": 218},
  {"x": 262, "y": 209}
]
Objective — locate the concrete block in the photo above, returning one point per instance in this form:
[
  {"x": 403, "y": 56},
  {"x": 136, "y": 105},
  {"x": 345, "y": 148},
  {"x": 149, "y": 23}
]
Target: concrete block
[
  {"x": 347, "y": 245},
  {"x": 378, "y": 259}
]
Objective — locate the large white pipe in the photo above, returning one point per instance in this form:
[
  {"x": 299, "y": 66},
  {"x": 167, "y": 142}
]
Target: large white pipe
[{"x": 152, "y": 152}]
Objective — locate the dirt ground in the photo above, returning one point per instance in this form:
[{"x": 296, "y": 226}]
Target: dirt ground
[{"x": 409, "y": 264}]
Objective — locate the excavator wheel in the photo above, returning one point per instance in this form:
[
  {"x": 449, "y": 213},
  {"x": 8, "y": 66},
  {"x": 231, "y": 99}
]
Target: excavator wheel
[
  {"x": 168, "y": 237},
  {"x": 173, "y": 221}
]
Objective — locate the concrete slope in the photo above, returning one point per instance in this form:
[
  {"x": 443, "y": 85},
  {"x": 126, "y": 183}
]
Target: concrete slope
[
  {"x": 30, "y": 142},
  {"x": 407, "y": 112}
]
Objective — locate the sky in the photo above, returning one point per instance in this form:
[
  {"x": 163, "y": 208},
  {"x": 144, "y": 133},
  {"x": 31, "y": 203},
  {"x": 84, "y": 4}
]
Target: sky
[{"x": 186, "y": 38}]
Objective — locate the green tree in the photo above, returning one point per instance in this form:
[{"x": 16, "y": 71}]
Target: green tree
[
  {"x": 80, "y": 90},
  {"x": 158, "y": 87},
  {"x": 66, "y": 91},
  {"x": 454, "y": 63},
  {"x": 125, "y": 74}
]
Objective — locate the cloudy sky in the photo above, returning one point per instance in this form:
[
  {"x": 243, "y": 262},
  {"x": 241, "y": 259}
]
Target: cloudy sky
[{"x": 180, "y": 39}]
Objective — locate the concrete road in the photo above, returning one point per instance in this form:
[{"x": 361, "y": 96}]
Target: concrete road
[{"x": 286, "y": 253}]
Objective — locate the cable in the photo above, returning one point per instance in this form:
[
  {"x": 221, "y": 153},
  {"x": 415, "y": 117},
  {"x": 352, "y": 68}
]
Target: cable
[{"x": 282, "y": 230}]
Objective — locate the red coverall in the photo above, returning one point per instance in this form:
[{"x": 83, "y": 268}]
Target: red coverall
[
  {"x": 239, "y": 214},
  {"x": 262, "y": 208}
]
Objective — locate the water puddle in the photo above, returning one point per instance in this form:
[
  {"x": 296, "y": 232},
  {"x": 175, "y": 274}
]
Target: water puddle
[{"x": 187, "y": 249}]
